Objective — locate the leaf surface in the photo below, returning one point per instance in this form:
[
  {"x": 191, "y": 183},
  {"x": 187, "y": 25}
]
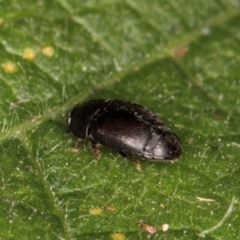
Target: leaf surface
[{"x": 178, "y": 58}]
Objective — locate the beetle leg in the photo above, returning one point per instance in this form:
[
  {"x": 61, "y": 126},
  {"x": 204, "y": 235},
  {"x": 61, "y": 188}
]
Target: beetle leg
[
  {"x": 79, "y": 143},
  {"x": 137, "y": 163},
  {"x": 94, "y": 149},
  {"x": 124, "y": 155}
]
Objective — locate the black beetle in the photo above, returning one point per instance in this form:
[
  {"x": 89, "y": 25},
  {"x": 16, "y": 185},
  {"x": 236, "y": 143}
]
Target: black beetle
[{"x": 126, "y": 127}]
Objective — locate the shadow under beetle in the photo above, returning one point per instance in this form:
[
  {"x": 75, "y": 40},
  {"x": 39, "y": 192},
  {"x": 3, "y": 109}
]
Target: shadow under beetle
[{"x": 127, "y": 127}]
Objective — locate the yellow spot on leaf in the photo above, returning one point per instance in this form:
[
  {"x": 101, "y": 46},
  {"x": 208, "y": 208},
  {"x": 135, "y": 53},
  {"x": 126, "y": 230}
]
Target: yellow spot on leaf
[
  {"x": 118, "y": 236},
  {"x": 9, "y": 67},
  {"x": 165, "y": 227},
  {"x": 84, "y": 68},
  {"x": 95, "y": 211},
  {"x": 162, "y": 205},
  {"x": 110, "y": 208},
  {"x": 29, "y": 54},
  {"x": 48, "y": 51}
]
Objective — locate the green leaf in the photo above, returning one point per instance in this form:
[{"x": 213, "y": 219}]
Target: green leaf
[{"x": 178, "y": 58}]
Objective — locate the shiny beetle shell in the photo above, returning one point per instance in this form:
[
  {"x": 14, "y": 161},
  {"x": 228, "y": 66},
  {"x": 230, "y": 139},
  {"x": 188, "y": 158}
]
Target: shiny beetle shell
[{"x": 127, "y": 127}]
